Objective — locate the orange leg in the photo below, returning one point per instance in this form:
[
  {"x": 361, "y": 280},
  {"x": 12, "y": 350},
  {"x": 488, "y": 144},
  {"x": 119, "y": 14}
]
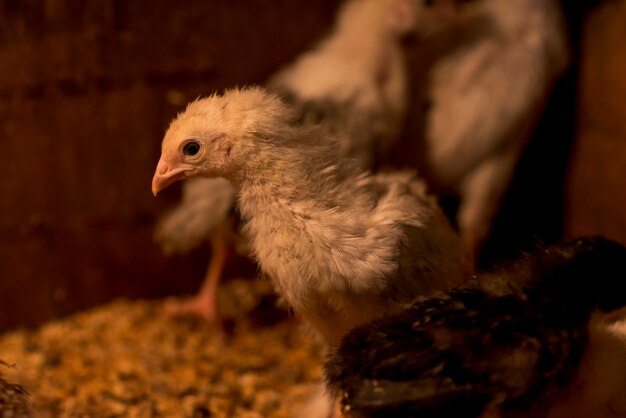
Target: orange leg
[
  {"x": 335, "y": 411},
  {"x": 204, "y": 304}
]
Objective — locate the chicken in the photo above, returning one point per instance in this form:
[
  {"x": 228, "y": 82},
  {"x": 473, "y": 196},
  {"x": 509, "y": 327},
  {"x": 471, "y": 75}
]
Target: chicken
[
  {"x": 354, "y": 81},
  {"x": 485, "y": 97},
  {"x": 340, "y": 245},
  {"x": 508, "y": 344}
]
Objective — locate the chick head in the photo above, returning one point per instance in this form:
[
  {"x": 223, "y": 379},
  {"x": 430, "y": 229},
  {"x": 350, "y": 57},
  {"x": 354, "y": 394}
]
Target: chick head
[{"x": 219, "y": 136}]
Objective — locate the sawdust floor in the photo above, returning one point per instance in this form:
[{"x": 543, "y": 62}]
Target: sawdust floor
[{"x": 129, "y": 359}]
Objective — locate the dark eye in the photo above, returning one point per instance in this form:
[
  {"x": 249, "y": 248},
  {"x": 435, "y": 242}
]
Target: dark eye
[
  {"x": 191, "y": 148},
  {"x": 428, "y": 2}
]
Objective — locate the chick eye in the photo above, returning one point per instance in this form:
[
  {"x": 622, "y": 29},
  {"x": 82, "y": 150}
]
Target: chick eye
[
  {"x": 191, "y": 148},
  {"x": 428, "y": 2}
]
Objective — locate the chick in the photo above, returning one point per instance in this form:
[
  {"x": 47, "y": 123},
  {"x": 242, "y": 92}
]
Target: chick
[
  {"x": 340, "y": 245},
  {"x": 508, "y": 344},
  {"x": 485, "y": 98},
  {"x": 353, "y": 81}
]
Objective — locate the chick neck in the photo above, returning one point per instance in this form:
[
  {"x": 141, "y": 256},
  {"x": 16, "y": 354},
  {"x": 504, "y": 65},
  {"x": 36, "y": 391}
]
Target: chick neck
[{"x": 301, "y": 174}]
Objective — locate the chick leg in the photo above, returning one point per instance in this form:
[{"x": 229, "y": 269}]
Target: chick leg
[
  {"x": 336, "y": 410},
  {"x": 481, "y": 195},
  {"x": 320, "y": 404},
  {"x": 204, "y": 304}
]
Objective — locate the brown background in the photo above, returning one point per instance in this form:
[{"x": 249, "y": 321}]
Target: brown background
[{"x": 87, "y": 89}]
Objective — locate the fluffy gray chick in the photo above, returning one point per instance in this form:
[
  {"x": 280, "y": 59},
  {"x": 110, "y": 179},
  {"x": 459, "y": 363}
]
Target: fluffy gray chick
[
  {"x": 486, "y": 97},
  {"x": 341, "y": 246},
  {"x": 353, "y": 81}
]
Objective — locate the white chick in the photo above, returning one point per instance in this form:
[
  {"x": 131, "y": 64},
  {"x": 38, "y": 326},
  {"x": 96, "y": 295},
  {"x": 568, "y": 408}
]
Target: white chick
[
  {"x": 340, "y": 245},
  {"x": 531, "y": 340},
  {"x": 353, "y": 81},
  {"x": 486, "y": 96}
]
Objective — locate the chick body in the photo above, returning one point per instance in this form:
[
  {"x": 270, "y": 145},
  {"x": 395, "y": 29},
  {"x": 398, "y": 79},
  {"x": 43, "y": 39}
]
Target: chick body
[{"x": 341, "y": 245}]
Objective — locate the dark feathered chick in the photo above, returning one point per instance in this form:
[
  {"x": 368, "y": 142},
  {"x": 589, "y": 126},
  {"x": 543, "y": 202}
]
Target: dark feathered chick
[
  {"x": 509, "y": 344},
  {"x": 342, "y": 246}
]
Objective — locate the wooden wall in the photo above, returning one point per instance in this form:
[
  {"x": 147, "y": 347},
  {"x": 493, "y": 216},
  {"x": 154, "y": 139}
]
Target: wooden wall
[{"x": 596, "y": 192}]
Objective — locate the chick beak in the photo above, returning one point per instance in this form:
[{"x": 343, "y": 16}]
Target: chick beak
[{"x": 165, "y": 175}]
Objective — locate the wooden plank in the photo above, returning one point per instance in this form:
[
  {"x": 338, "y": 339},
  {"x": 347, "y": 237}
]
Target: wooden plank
[{"x": 595, "y": 191}]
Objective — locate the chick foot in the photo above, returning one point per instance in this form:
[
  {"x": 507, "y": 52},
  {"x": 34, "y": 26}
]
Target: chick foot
[
  {"x": 204, "y": 304},
  {"x": 201, "y": 306}
]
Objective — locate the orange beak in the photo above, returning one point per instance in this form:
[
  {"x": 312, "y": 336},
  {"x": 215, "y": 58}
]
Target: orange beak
[{"x": 165, "y": 175}]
